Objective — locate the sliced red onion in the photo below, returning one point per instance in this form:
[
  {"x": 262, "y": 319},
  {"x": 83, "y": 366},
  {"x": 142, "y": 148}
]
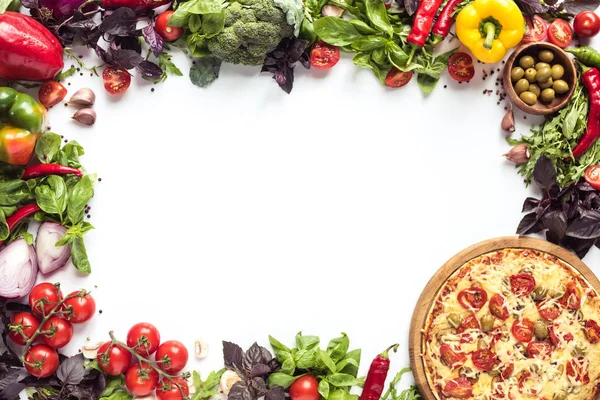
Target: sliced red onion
[
  {"x": 18, "y": 269},
  {"x": 51, "y": 257},
  {"x": 61, "y": 8}
]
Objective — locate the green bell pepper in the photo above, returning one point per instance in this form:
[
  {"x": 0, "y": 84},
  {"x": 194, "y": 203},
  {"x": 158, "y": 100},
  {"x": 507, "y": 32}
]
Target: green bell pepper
[{"x": 22, "y": 121}]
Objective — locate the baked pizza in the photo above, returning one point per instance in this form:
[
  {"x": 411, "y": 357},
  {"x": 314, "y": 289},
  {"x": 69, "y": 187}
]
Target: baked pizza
[{"x": 514, "y": 324}]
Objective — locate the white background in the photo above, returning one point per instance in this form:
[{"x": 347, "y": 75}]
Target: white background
[{"x": 239, "y": 211}]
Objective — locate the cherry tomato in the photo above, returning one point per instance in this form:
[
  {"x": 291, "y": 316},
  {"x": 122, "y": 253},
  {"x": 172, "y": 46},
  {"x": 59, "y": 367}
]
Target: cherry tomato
[
  {"x": 468, "y": 323},
  {"x": 592, "y": 331},
  {"x": 141, "y": 379},
  {"x": 113, "y": 361},
  {"x": 587, "y": 24},
  {"x": 498, "y": 307},
  {"x": 535, "y": 31},
  {"x": 59, "y": 332},
  {"x": 80, "y": 308},
  {"x": 572, "y": 297},
  {"x": 460, "y": 388},
  {"x": 305, "y": 388},
  {"x": 51, "y": 93},
  {"x": 172, "y": 356},
  {"x": 116, "y": 80},
  {"x": 549, "y": 310},
  {"x": 539, "y": 349},
  {"x": 554, "y": 337},
  {"x": 43, "y": 298},
  {"x": 460, "y": 67},
  {"x": 523, "y": 329},
  {"x": 144, "y": 337},
  {"x": 167, "y": 32},
  {"x": 324, "y": 56},
  {"x": 522, "y": 284},
  {"x": 592, "y": 175},
  {"x": 529, "y": 383},
  {"x": 577, "y": 370},
  {"x": 508, "y": 370},
  {"x": 451, "y": 358},
  {"x": 560, "y": 33},
  {"x": 484, "y": 359},
  {"x": 28, "y": 324},
  {"x": 41, "y": 361},
  {"x": 176, "y": 389},
  {"x": 473, "y": 298},
  {"x": 396, "y": 78}
]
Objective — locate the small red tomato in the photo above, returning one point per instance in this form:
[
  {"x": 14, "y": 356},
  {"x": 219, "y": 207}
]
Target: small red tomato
[
  {"x": 113, "y": 359},
  {"x": 535, "y": 30},
  {"x": 586, "y": 24},
  {"x": 141, "y": 379},
  {"x": 167, "y": 32},
  {"x": 324, "y": 55},
  {"x": 523, "y": 329},
  {"x": 144, "y": 337},
  {"x": 572, "y": 297},
  {"x": 175, "y": 389},
  {"x": 470, "y": 322},
  {"x": 451, "y": 358},
  {"x": 460, "y": 67},
  {"x": 498, "y": 307},
  {"x": 592, "y": 331},
  {"x": 522, "y": 284},
  {"x": 539, "y": 349},
  {"x": 22, "y": 325},
  {"x": 592, "y": 176},
  {"x": 560, "y": 33},
  {"x": 51, "y": 93},
  {"x": 171, "y": 356},
  {"x": 473, "y": 298},
  {"x": 57, "y": 332},
  {"x": 460, "y": 388},
  {"x": 116, "y": 80},
  {"x": 305, "y": 388},
  {"x": 41, "y": 361},
  {"x": 43, "y": 298},
  {"x": 80, "y": 307},
  {"x": 484, "y": 359},
  {"x": 396, "y": 78},
  {"x": 549, "y": 310}
]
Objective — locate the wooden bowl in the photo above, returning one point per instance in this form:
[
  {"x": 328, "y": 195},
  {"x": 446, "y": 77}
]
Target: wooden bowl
[
  {"x": 560, "y": 57},
  {"x": 439, "y": 279}
]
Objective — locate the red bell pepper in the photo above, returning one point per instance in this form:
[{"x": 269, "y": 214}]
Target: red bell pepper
[{"x": 28, "y": 51}]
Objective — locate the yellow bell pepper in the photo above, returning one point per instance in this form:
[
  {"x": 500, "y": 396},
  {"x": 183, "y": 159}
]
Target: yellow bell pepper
[{"x": 490, "y": 27}]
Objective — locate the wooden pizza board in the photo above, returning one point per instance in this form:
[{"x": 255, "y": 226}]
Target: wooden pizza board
[{"x": 440, "y": 277}]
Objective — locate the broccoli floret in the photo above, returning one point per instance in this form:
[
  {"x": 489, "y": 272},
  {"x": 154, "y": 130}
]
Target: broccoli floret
[{"x": 252, "y": 29}]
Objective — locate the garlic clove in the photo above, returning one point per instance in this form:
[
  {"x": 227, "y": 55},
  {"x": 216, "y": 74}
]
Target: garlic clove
[
  {"x": 332, "y": 11},
  {"x": 83, "y": 97},
  {"x": 508, "y": 122},
  {"x": 90, "y": 350},
  {"x": 85, "y": 116},
  {"x": 228, "y": 379},
  {"x": 518, "y": 154},
  {"x": 201, "y": 348}
]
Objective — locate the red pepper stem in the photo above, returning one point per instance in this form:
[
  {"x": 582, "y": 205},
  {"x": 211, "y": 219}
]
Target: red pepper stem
[{"x": 385, "y": 354}]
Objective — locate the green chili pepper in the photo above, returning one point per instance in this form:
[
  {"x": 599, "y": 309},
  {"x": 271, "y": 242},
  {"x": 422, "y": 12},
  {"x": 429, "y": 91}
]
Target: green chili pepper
[
  {"x": 586, "y": 55},
  {"x": 22, "y": 121}
]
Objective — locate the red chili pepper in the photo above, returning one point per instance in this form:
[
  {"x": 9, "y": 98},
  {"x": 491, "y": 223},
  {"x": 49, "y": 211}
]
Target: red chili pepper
[
  {"x": 378, "y": 371},
  {"x": 591, "y": 81},
  {"x": 19, "y": 215},
  {"x": 36, "y": 171},
  {"x": 423, "y": 21},
  {"x": 444, "y": 22}
]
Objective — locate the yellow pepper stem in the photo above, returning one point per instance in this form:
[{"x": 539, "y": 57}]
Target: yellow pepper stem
[{"x": 490, "y": 34}]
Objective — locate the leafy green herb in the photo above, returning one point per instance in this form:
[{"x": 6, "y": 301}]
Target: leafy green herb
[
  {"x": 65, "y": 74},
  {"x": 168, "y": 67},
  {"x": 430, "y": 72},
  {"x": 412, "y": 393},
  {"x": 336, "y": 31},
  {"x": 51, "y": 196},
  {"x": 207, "y": 388},
  {"x": 205, "y": 71},
  {"x": 79, "y": 196}
]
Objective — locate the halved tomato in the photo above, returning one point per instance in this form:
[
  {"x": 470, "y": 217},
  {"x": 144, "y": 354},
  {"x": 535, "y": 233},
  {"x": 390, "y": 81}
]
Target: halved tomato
[
  {"x": 470, "y": 322},
  {"x": 572, "y": 297},
  {"x": 396, "y": 78},
  {"x": 324, "y": 56},
  {"x": 592, "y": 176},
  {"x": 460, "y": 388},
  {"x": 473, "y": 298},
  {"x": 451, "y": 358},
  {"x": 523, "y": 329},
  {"x": 116, "y": 80},
  {"x": 549, "y": 310},
  {"x": 539, "y": 349},
  {"x": 51, "y": 93},
  {"x": 522, "y": 284},
  {"x": 560, "y": 33},
  {"x": 498, "y": 307},
  {"x": 535, "y": 30},
  {"x": 460, "y": 67},
  {"x": 592, "y": 331},
  {"x": 484, "y": 359}
]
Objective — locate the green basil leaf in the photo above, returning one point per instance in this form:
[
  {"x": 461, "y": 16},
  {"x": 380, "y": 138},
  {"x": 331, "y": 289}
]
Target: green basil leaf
[
  {"x": 338, "y": 347},
  {"x": 427, "y": 83},
  {"x": 51, "y": 196},
  {"x": 281, "y": 379},
  {"x": 352, "y": 359},
  {"x": 79, "y": 256},
  {"x": 200, "y": 7},
  {"x": 329, "y": 363},
  {"x": 289, "y": 365},
  {"x": 339, "y": 394},
  {"x": 70, "y": 154},
  {"x": 444, "y": 57},
  {"x": 306, "y": 342},
  {"x": 194, "y": 23},
  {"x": 205, "y": 71},
  {"x": 4, "y": 231},
  {"x": 13, "y": 192},
  {"x": 277, "y": 346},
  {"x": 379, "y": 56},
  {"x": 362, "y": 27},
  {"x": 28, "y": 237},
  {"x": 343, "y": 380},
  {"x": 396, "y": 55},
  {"x": 47, "y": 147},
  {"x": 377, "y": 14},
  {"x": 79, "y": 196},
  {"x": 180, "y": 18},
  {"x": 8, "y": 210},
  {"x": 121, "y": 395},
  {"x": 114, "y": 383},
  {"x": 305, "y": 359},
  {"x": 362, "y": 60},
  {"x": 212, "y": 24},
  {"x": 324, "y": 388},
  {"x": 336, "y": 31},
  {"x": 307, "y": 32},
  {"x": 369, "y": 43}
]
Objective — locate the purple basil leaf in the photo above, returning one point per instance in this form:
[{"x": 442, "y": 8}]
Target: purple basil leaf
[
  {"x": 411, "y": 6},
  {"x": 154, "y": 40},
  {"x": 232, "y": 355},
  {"x": 552, "y": 237},
  {"x": 529, "y": 204},
  {"x": 252, "y": 357},
  {"x": 305, "y": 59},
  {"x": 127, "y": 43},
  {"x": 259, "y": 385},
  {"x": 126, "y": 59},
  {"x": 579, "y": 246},
  {"x": 585, "y": 187},
  {"x": 527, "y": 223},
  {"x": 576, "y": 6},
  {"x": 544, "y": 172},
  {"x": 30, "y": 3},
  {"x": 556, "y": 222},
  {"x": 276, "y": 393},
  {"x": 585, "y": 227},
  {"x": 260, "y": 369},
  {"x": 121, "y": 22},
  {"x": 149, "y": 71},
  {"x": 12, "y": 392},
  {"x": 240, "y": 391},
  {"x": 532, "y": 7}
]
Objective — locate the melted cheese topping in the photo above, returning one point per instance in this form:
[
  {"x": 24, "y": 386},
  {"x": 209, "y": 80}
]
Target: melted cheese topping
[{"x": 533, "y": 378}]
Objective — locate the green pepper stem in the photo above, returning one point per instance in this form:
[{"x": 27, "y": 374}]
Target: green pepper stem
[
  {"x": 385, "y": 354},
  {"x": 490, "y": 34}
]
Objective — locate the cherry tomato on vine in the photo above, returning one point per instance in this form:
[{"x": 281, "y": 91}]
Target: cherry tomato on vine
[
  {"x": 51, "y": 93},
  {"x": 44, "y": 296},
  {"x": 145, "y": 336},
  {"x": 59, "y": 332},
  {"x": 41, "y": 360},
  {"x": 396, "y": 78},
  {"x": 560, "y": 33},
  {"x": 113, "y": 361},
  {"x": 80, "y": 308},
  {"x": 587, "y": 24},
  {"x": 535, "y": 30},
  {"x": 592, "y": 176},
  {"x": 175, "y": 389},
  {"x": 28, "y": 324},
  {"x": 305, "y": 388},
  {"x": 460, "y": 67},
  {"x": 172, "y": 356},
  {"x": 167, "y": 32},
  {"x": 116, "y": 80},
  {"x": 141, "y": 379},
  {"x": 324, "y": 55}
]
